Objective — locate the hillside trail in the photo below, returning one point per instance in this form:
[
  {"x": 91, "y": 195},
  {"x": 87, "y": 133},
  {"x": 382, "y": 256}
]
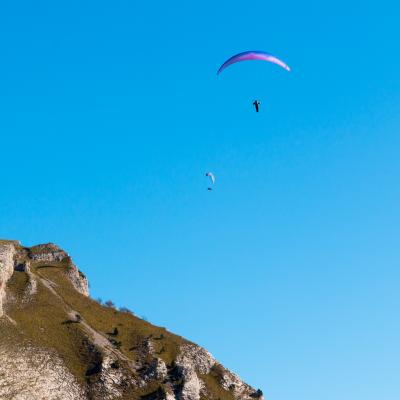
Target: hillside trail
[{"x": 99, "y": 339}]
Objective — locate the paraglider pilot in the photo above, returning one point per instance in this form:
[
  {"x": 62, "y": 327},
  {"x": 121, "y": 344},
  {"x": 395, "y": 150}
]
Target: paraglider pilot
[{"x": 256, "y": 104}]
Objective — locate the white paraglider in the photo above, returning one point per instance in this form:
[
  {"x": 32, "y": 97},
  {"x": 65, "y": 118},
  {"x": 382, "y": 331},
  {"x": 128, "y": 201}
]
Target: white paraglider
[{"x": 211, "y": 177}]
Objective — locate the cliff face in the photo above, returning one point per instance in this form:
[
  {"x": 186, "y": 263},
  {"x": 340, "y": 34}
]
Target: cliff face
[
  {"x": 7, "y": 250},
  {"x": 57, "y": 343}
]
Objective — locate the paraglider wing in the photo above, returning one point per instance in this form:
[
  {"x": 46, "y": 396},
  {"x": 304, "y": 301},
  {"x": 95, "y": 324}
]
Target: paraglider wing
[
  {"x": 211, "y": 176},
  {"x": 253, "y": 55}
]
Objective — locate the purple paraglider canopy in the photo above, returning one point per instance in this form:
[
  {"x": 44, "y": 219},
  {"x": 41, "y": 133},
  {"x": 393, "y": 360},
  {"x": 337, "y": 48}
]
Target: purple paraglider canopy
[{"x": 253, "y": 55}]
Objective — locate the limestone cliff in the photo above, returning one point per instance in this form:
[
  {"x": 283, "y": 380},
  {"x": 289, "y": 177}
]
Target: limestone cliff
[
  {"x": 67, "y": 346},
  {"x": 7, "y": 250}
]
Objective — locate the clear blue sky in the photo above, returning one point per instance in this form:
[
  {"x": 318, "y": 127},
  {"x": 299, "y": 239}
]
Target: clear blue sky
[{"x": 111, "y": 113}]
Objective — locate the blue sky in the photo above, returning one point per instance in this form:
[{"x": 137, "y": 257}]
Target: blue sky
[{"x": 288, "y": 272}]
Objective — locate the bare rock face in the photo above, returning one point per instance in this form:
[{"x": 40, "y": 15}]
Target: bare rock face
[
  {"x": 111, "y": 380},
  {"x": 52, "y": 254},
  {"x": 49, "y": 252},
  {"x": 196, "y": 358},
  {"x": 195, "y": 361},
  {"x": 7, "y": 251},
  {"x": 158, "y": 370},
  {"x": 191, "y": 385},
  {"x": 29, "y": 373},
  {"x": 78, "y": 279},
  {"x": 232, "y": 382}
]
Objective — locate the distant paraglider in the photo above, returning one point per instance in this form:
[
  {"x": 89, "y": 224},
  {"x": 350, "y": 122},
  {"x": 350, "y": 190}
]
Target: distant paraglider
[
  {"x": 211, "y": 177},
  {"x": 253, "y": 55}
]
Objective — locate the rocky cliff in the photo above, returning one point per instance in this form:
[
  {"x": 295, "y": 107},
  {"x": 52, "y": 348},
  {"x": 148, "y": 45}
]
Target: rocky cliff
[{"x": 58, "y": 343}]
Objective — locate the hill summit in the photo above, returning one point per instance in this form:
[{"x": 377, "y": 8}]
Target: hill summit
[{"x": 58, "y": 343}]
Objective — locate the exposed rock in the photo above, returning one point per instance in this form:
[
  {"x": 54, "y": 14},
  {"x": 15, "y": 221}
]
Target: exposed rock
[
  {"x": 48, "y": 252},
  {"x": 21, "y": 266},
  {"x": 29, "y": 373},
  {"x": 232, "y": 382},
  {"x": 31, "y": 287},
  {"x": 111, "y": 381},
  {"x": 194, "y": 360},
  {"x": 191, "y": 385},
  {"x": 7, "y": 251},
  {"x": 78, "y": 279},
  {"x": 157, "y": 370},
  {"x": 54, "y": 255},
  {"x": 195, "y": 357}
]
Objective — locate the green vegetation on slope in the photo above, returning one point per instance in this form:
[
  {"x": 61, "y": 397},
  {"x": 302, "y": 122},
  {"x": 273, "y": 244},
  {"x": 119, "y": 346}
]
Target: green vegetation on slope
[
  {"x": 45, "y": 319},
  {"x": 133, "y": 332},
  {"x": 42, "y": 321}
]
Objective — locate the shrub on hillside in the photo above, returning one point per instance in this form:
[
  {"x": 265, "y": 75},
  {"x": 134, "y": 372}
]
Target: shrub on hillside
[
  {"x": 258, "y": 394},
  {"x": 114, "y": 332},
  {"x": 126, "y": 310},
  {"x": 109, "y": 303}
]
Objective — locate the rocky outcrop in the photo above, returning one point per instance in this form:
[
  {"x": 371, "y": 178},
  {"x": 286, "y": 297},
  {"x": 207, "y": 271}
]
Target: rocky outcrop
[
  {"x": 111, "y": 380},
  {"x": 30, "y": 373},
  {"x": 195, "y": 361},
  {"x": 7, "y": 251},
  {"x": 196, "y": 358},
  {"x": 157, "y": 370},
  {"x": 191, "y": 385},
  {"x": 53, "y": 255},
  {"x": 48, "y": 252},
  {"x": 232, "y": 382},
  {"x": 78, "y": 279}
]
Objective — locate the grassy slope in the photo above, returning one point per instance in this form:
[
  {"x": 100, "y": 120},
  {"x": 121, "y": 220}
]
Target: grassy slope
[
  {"x": 41, "y": 321},
  {"x": 44, "y": 321}
]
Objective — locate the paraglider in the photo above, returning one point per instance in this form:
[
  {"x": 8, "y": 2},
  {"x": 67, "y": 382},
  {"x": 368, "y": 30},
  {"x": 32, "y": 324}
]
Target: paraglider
[
  {"x": 256, "y": 104},
  {"x": 211, "y": 176},
  {"x": 253, "y": 55}
]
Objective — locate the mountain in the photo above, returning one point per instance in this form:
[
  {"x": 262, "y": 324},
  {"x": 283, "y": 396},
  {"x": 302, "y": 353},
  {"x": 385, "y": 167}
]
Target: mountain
[{"x": 58, "y": 343}]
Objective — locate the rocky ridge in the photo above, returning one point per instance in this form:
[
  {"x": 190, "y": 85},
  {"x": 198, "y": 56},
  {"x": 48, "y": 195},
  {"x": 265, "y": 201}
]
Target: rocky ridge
[{"x": 65, "y": 345}]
